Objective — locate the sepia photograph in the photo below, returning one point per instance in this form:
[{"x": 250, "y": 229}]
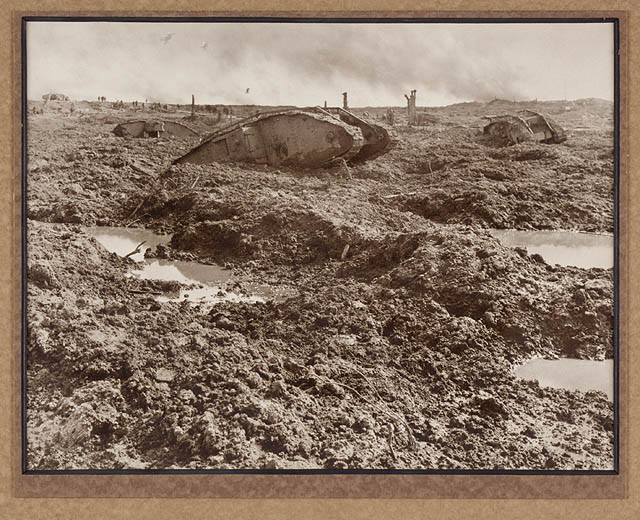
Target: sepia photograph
[{"x": 332, "y": 246}]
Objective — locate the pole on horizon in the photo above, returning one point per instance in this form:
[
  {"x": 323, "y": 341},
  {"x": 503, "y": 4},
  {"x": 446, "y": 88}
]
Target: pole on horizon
[
  {"x": 411, "y": 107},
  {"x": 193, "y": 106},
  {"x": 345, "y": 105}
]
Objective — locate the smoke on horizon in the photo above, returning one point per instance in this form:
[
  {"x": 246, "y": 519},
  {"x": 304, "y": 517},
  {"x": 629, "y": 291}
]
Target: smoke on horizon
[{"x": 305, "y": 64}]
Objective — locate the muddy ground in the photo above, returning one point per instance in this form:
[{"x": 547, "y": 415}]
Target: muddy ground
[{"x": 396, "y": 352}]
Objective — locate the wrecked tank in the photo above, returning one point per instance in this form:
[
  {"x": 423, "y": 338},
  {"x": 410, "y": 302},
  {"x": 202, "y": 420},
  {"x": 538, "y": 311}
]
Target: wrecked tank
[
  {"x": 154, "y": 128},
  {"x": 307, "y": 137},
  {"x": 527, "y": 126}
]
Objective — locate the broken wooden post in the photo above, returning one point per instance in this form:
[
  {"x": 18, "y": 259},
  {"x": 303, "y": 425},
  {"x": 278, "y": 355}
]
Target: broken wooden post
[
  {"x": 325, "y": 103},
  {"x": 193, "y": 106},
  {"x": 411, "y": 107},
  {"x": 345, "y": 105}
]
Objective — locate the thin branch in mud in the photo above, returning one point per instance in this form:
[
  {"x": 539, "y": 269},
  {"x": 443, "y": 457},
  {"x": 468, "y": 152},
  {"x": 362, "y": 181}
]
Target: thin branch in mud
[
  {"x": 136, "y": 291},
  {"x": 138, "y": 207},
  {"x": 394, "y": 195},
  {"x": 357, "y": 393},
  {"x": 375, "y": 390},
  {"x": 412, "y": 440},
  {"x": 136, "y": 220},
  {"x": 195, "y": 182},
  {"x": 390, "y": 441},
  {"x": 140, "y": 169},
  {"x": 136, "y": 250}
]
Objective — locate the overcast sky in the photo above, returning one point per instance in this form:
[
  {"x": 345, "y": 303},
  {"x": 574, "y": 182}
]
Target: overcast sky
[{"x": 306, "y": 64}]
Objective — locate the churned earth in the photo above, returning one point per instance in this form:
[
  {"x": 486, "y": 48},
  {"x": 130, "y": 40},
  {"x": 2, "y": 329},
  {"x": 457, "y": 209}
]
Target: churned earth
[{"x": 403, "y": 322}]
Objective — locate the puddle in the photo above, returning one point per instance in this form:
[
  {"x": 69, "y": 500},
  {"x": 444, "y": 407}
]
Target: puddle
[
  {"x": 211, "y": 280},
  {"x": 571, "y": 374},
  {"x": 212, "y": 283},
  {"x": 122, "y": 240},
  {"x": 182, "y": 271},
  {"x": 212, "y": 295},
  {"x": 562, "y": 247}
]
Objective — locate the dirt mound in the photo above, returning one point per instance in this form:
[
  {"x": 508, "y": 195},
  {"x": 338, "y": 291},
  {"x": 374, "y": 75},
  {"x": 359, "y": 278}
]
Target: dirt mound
[{"x": 473, "y": 276}]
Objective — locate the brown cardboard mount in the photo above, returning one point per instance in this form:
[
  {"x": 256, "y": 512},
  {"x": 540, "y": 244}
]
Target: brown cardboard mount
[{"x": 16, "y": 486}]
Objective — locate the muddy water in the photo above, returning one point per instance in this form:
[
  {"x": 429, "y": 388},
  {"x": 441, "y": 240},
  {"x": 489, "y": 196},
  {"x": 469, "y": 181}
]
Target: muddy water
[
  {"x": 210, "y": 281},
  {"x": 572, "y": 374},
  {"x": 562, "y": 247},
  {"x": 122, "y": 241},
  {"x": 213, "y": 294},
  {"x": 183, "y": 272}
]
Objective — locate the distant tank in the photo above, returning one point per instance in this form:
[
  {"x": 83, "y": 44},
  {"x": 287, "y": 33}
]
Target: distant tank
[
  {"x": 154, "y": 128},
  {"x": 307, "y": 137},
  {"x": 528, "y": 126}
]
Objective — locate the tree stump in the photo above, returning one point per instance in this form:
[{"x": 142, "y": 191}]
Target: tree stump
[{"x": 411, "y": 107}]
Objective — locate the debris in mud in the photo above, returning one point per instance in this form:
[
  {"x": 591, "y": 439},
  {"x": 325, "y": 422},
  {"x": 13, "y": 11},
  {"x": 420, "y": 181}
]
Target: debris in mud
[{"x": 528, "y": 126}]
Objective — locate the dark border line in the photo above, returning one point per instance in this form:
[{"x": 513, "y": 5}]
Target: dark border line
[
  {"x": 316, "y": 472},
  {"x": 616, "y": 244},
  {"x": 616, "y": 273},
  {"x": 289, "y": 19},
  {"x": 23, "y": 310}
]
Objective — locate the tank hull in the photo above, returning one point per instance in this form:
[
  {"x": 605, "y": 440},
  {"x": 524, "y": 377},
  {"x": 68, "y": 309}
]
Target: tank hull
[
  {"x": 154, "y": 129},
  {"x": 531, "y": 126},
  {"x": 309, "y": 138}
]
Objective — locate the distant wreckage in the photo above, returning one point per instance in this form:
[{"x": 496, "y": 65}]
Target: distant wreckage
[
  {"x": 528, "y": 126},
  {"x": 308, "y": 137},
  {"x": 154, "y": 128}
]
